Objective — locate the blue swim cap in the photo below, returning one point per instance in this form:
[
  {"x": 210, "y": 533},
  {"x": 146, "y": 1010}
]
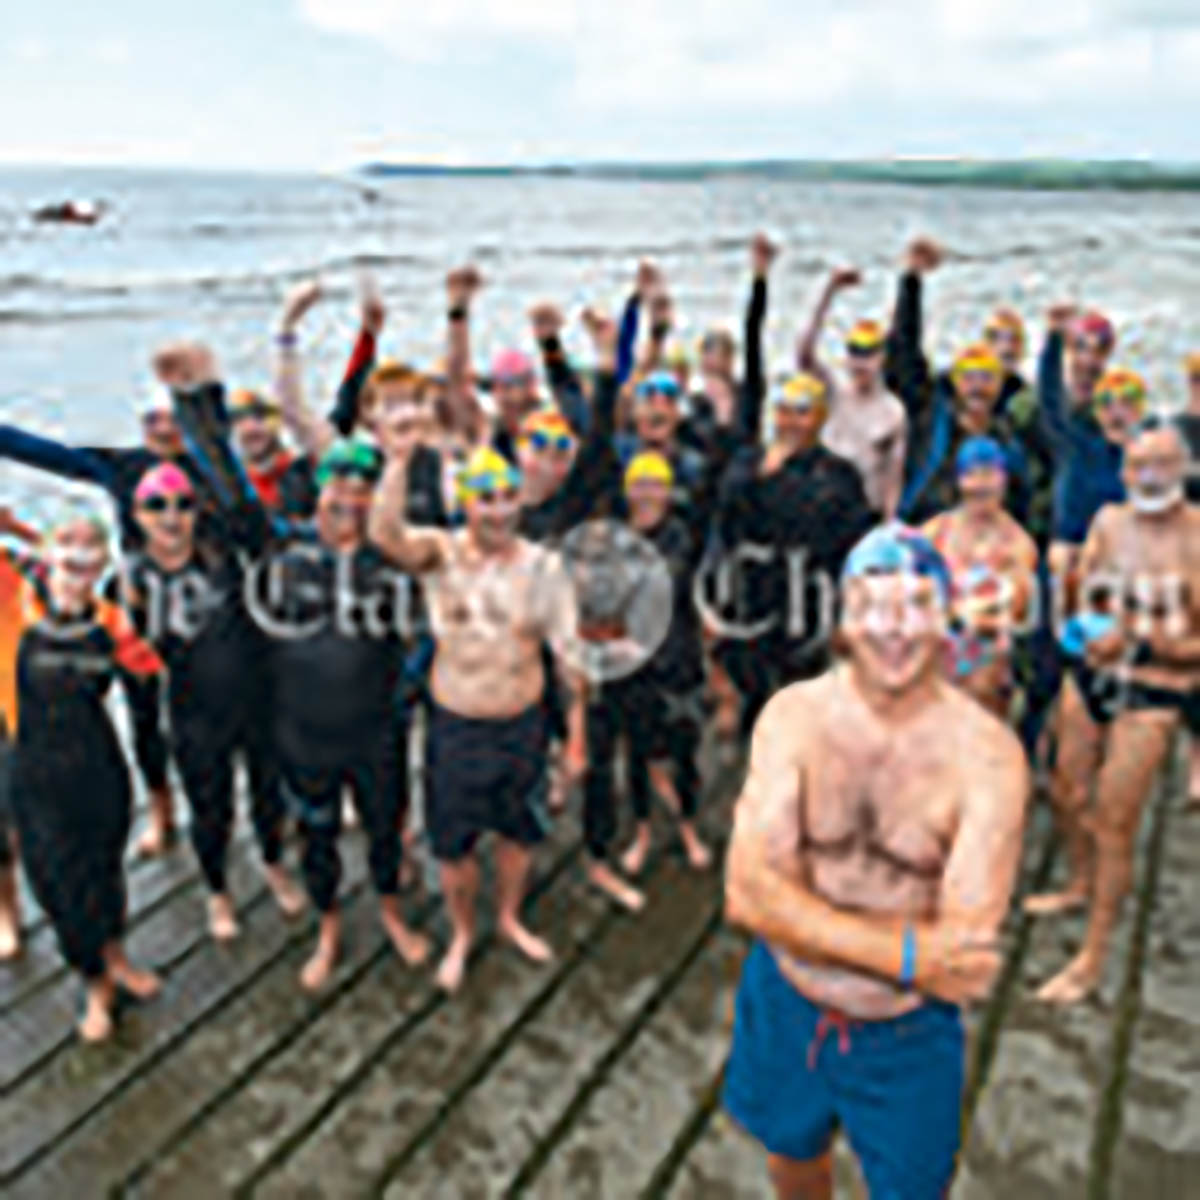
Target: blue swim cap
[
  {"x": 980, "y": 452},
  {"x": 898, "y": 549},
  {"x": 661, "y": 383}
]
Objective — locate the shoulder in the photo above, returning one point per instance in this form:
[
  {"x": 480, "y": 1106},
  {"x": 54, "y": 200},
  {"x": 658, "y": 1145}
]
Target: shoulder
[
  {"x": 794, "y": 711},
  {"x": 986, "y": 744}
]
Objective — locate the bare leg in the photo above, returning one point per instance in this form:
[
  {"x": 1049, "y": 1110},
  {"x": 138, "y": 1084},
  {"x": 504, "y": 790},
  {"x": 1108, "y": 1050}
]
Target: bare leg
[
  {"x": 160, "y": 833},
  {"x": 460, "y": 887},
  {"x": 142, "y": 985},
  {"x": 606, "y": 880},
  {"x": 727, "y": 719},
  {"x": 794, "y": 1180},
  {"x": 1080, "y": 742},
  {"x": 222, "y": 920},
  {"x": 410, "y": 945},
  {"x": 633, "y": 861},
  {"x": 512, "y": 867},
  {"x": 1138, "y": 744},
  {"x": 319, "y": 967},
  {"x": 1194, "y": 771},
  {"x": 10, "y": 914},
  {"x": 698, "y": 854},
  {"x": 96, "y": 1024},
  {"x": 288, "y": 897}
]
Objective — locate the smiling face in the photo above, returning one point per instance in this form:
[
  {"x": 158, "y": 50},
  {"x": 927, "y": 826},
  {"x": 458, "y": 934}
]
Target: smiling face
[
  {"x": 168, "y": 522},
  {"x": 894, "y": 626},
  {"x": 160, "y": 433},
  {"x": 1155, "y": 465},
  {"x": 78, "y": 555},
  {"x": 255, "y": 431},
  {"x": 342, "y": 509},
  {"x": 656, "y": 416},
  {"x": 546, "y": 454},
  {"x": 649, "y": 502},
  {"x": 492, "y": 514},
  {"x": 1086, "y": 362},
  {"x": 982, "y": 488}
]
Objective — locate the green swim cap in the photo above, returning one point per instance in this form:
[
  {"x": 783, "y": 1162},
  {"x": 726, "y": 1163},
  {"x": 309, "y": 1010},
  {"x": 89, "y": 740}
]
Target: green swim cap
[{"x": 349, "y": 458}]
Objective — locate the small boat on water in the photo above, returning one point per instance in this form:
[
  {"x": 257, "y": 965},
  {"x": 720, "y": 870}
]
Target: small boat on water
[{"x": 70, "y": 212}]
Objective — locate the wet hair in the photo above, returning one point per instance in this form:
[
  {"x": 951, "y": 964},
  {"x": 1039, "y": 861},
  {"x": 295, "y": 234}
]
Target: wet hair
[{"x": 390, "y": 371}]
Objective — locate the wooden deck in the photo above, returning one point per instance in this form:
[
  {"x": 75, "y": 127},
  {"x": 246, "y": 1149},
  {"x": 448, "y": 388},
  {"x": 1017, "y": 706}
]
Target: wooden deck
[{"x": 594, "y": 1077}]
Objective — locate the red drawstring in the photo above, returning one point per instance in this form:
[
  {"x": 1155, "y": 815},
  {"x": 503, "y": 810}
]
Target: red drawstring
[{"x": 829, "y": 1020}]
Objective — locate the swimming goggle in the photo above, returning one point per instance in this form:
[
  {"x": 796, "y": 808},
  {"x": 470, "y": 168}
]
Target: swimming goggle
[
  {"x": 658, "y": 384},
  {"x": 541, "y": 440},
  {"x": 1120, "y": 386},
  {"x": 161, "y": 503}
]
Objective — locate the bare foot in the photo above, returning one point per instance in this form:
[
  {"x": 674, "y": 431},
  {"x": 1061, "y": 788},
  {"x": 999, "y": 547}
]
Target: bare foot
[
  {"x": 160, "y": 834},
  {"x": 1046, "y": 904},
  {"x": 602, "y": 876},
  {"x": 141, "y": 985},
  {"x": 288, "y": 897},
  {"x": 96, "y": 1024},
  {"x": 319, "y": 967},
  {"x": 349, "y": 814},
  {"x": 10, "y": 933},
  {"x": 453, "y": 966},
  {"x": 633, "y": 861},
  {"x": 222, "y": 920},
  {"x": 1075, "y": 982},
  {"x": 412, "y": 947},
  {"x": 699, "y": 856},
  {"x": 527, "y": 942},
  {"x": 1194, "y": 782}
]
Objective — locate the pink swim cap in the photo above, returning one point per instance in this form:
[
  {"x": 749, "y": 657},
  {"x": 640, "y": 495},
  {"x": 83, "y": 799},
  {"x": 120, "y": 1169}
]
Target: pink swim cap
[
  {"x": 511, "y": 366},
  {"x": 164, "y": 480},
  {"x": 1096, "y": 325}
]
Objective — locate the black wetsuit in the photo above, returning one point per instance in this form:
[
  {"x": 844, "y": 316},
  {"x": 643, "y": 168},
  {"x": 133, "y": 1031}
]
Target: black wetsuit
[
  {"x": 658, "y": 708},
  {"x": 336, "y": 654},
  {"x": 775, "y": 533},
  {"x": 1189, "y": 426},
  {"x": 71, "y": 791},
  {"x": 218, "y": 694}
]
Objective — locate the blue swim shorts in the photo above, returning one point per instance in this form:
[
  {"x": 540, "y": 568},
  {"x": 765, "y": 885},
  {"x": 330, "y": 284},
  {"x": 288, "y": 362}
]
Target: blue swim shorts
[{"x": 797, "y": 1073}]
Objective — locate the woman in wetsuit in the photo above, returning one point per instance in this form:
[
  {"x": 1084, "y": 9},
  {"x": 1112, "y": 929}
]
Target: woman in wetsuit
[
  {"x": 70, "y": 783},
  {"x": 333, "y": 610},
  {"x": 185, "y": 594}
]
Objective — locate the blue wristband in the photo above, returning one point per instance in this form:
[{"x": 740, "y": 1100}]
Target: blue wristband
[{"x": 908, "y": 957}]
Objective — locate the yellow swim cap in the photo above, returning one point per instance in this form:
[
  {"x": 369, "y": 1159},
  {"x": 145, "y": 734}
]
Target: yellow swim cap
[
  {"x": 486, "y": 471},
  {"x": 649, "y": 465},
  {"x": 1120, "y": 384},
  {"x": 802, "y": 391},
  {"x": 866, "y": 337},
  {"x": 978, "y": 356}
]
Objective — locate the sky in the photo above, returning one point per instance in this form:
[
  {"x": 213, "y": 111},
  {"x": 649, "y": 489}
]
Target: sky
[{"x": 328, "y": 84}]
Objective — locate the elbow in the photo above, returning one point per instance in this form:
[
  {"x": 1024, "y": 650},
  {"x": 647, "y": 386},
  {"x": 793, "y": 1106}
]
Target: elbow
[{"x": 740, "y": 906}]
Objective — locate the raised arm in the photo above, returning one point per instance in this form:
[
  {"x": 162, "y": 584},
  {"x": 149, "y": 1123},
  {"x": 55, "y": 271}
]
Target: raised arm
[
  {"x": 906, "y": 369},
  {"x": 309, "y": 430},
  {"x": 649, "y": 281},
  {"x": 808, "y": 356},
  {"x": 748, "y": 418},
  {"x": 415, "y": 549},
  {"x": 547, "y": 321},
  {"x": 45, "y": 454},
  {"x": 12, "y": 526},
  {"x": 462, "y": 284},
  {"x": 1053, "y": 410},
  {"x": 764, "y": 892},
  {"x": 344, "y": 415}
]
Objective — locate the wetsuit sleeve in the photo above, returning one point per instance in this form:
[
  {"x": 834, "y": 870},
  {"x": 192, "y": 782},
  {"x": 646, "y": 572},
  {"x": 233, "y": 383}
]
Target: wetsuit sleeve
[
  {"x": 753, "y": 390},
  {"x": 132, "y": 654},
  {"x": 344, "y": 414},
  {"x": 45, "y": 454},
  {"x": 564, "y": 383},
  {"x": 205, "y": 426},
  {"x": 1055, "y": 420},
  {"x": 627, "y": 338},
  {"x": 906, "y": 369}
]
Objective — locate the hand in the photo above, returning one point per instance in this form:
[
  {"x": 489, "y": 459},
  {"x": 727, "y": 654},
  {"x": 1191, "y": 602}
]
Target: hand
[
  {"x": 924, "y": 255},
  {"x": 602, "y": 329},
  {"x": 959, "y": 966},
  {"x": 461, "y": 285},
  {"x": 762, "y": 253},
  {"x": 9, "y": 524},
  {"x": 1105, "y": 650},
  {"x": 649, "y": 279},
  {"x": 1060, "y": 317},
  {"x": 299, "y": 300},
  {"x": 547, "y": 320},
  {"x": 184, "y": 365},
  {"x": 372, "y": 312},
  {"x": 845, "y": 277}
]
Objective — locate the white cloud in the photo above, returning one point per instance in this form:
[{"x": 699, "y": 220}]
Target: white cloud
[
  {"x": 112, "y": 51},
  {"x": 29, "y": 49},
  {"x": 691, "y": 56}
]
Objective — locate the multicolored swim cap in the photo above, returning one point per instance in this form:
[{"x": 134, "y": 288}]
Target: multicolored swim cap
[
  {"x": 487, "y": 470},
  {"x": 512, "y": 366},
  {"x": 658, "y": 383},
  {"x": 979, "y": 452},
  {"x": 866, "y": 337},
  {"x": 548, "y": 422},
  {"x": 898, "y": 549},
  {"x": 802, "y": 392},
  {"x": 978, "y": 356},
  {"x": 349, "y": 458},
  {"x": 649, "y": 466},
  {"x": 1007, "y": 320},
  {"x": 1096, "y": 325},
  {"x": 1121, "y": 385},
  {"x": 166, "y": 479}
]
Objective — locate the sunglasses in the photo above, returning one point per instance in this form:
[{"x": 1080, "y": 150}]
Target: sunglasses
[
  {"x": 856, "y": 351},
  {"x": 559, "y": 443},
  {"x": 490, "y": 495},
  {"x": 1130, "y": 400},
  {"x": 348, "y": 470},
  {"x": 162, "y": 504},
  {"x": 258, "y": 412}
]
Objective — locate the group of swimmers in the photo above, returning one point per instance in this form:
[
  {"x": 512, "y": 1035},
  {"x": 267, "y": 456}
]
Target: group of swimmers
[{"x": 883, "y": 575}]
